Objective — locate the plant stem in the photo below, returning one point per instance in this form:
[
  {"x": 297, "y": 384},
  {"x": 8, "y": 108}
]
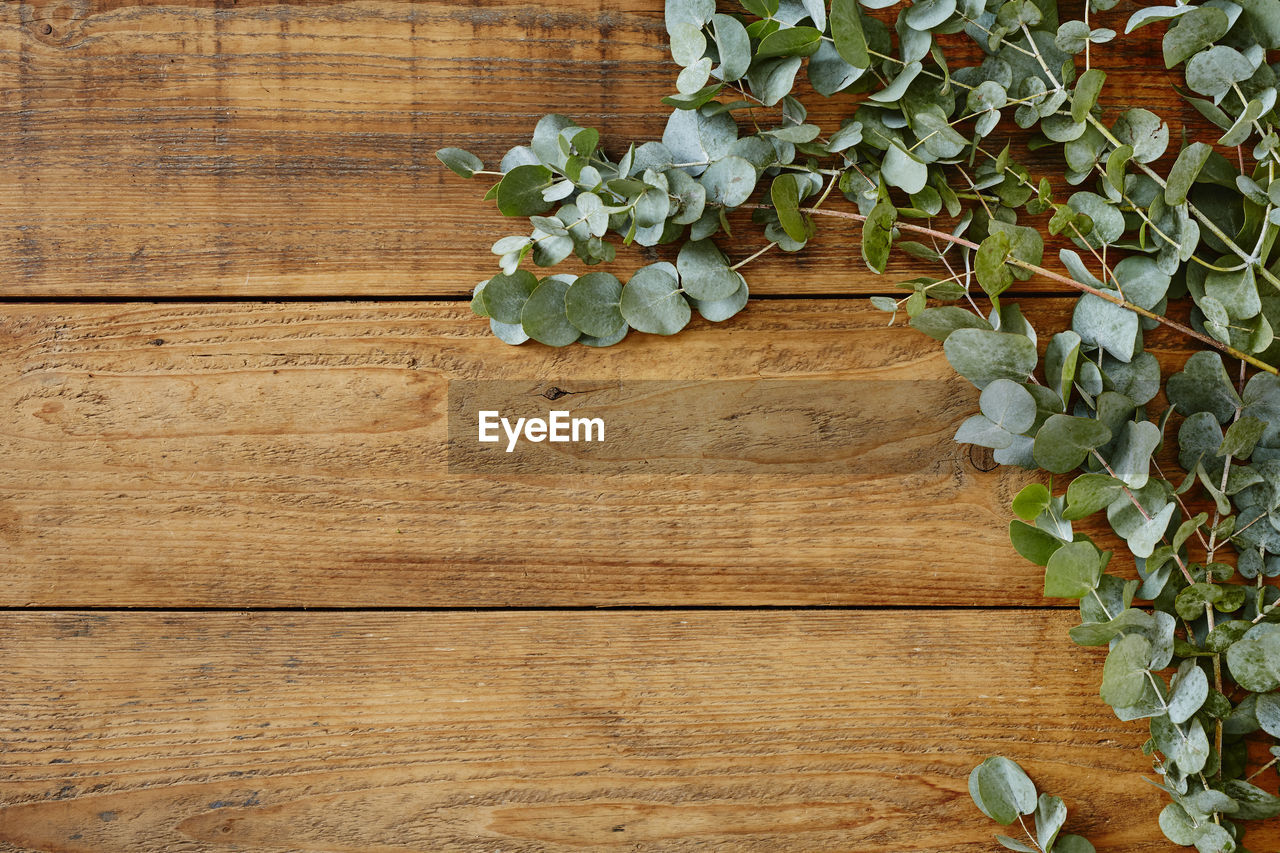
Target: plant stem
[{"x": 745, "y": 261}]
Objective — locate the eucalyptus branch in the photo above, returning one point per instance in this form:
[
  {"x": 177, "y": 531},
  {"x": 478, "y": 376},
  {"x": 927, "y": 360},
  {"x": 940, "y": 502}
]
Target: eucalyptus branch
[
  {"x": 1089, "y": 407},
  {"x": 1109, "y": 296}
]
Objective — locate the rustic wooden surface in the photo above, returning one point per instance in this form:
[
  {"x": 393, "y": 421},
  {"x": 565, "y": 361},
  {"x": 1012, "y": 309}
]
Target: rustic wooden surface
[
  {"x": 179, "y": 455},
  {"x": 251, "y": 148},
  {"x": 533, "y": 731},
  {"x": 226, "y": 465}
]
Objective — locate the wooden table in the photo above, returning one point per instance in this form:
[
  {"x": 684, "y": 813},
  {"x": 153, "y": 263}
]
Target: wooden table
[{"x": 246, "y": 605}]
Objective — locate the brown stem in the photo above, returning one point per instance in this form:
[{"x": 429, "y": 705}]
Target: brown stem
[{"x": 1107, "y": 295}]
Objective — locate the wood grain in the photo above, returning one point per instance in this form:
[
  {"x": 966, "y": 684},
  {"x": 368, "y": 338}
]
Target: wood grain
[
  {"x": 264, "y": 149},
  {"x": 551, "y": 732},
  {"x": 294, "y": 455}
]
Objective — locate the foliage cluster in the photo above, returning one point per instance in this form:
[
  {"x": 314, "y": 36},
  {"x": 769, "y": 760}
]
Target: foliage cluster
[{"x": 1154, "y": 221}]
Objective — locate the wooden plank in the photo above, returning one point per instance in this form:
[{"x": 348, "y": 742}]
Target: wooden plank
[
  {"x": 261, "y": 149},
  {"x": 551, "y": 731},
  {"x": 294, "y": 455}
]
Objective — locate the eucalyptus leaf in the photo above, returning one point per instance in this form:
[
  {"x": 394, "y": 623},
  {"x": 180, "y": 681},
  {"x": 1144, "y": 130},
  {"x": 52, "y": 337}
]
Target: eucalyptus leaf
[
  {"x": 848, "y": 33},
  {"x": 719, "y": 310},
  {"x": 1124, "y": 675},
  {"x": 1187, "y": 692},
  {"x": 1194, "y": 31},
  {"x": 460, "y": 162},
  {"x": 653, "y": 302},
  {"x": 1073, "y": 571},
  {"x": 877, "y": 235},
  {"x": 704, "y": 272},
  {"x": 1008, "y": 405},
  {"x": 505, "y": 295},
  {"x": 1002, "y": 790},
  {"x": 903, "y": 170},
  {"x": 982, "y": 357},
  {"x": 1213, "y": 71},
  {"x": 785, "y": 195},
  {"x": 1254, "y": 660},
  {"x": 593, "y": 304},
  {"x": 1144, "y": 132},
  {"x": 1184, "y": 172},
  {"x": 520, "y": 192},
  {"x": 941, "y": 321},
  {"x": 1203, "y": 386},
  {"x": 509, "y": 333},
  {"x": 1064, "y": 441},
  {"x": 1089, "y": 493},
  {"x": 543, "y": 316},
  {"x": 729, "y": 181}
]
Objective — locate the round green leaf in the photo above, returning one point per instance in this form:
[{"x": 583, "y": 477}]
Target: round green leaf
[
  {"x": 543, "y": 317},
  {"x": 983, "y": 357},
  {"x": 520, "y": 192},
  {"x": 1074, "y": 571},
  {"x": 692, "y": 78},
  {"x": 729, "y": 181},
  {"x": 1212, "y": 72},
  {"x": 688, "y": 12},
  {"x": 1031, "y": 501},
  {"x": 590, "y": 341},
  {"x": 1144, "y": 132},
  {"x": 718, "y": 310},
  {"x": 1073, "y": 844},
  {"x": 1202, "y": 386},
  {"x": 1178, "y": 826},
  {"x": 508, "y": 333},
  {"x": 1196, "y": 30},
  {"x": 1124, "y": 675},
  {"x": 1254, "y": 660},
  {"x": 1001, "y": 789},
  {"x": 696, "y": 136},
  {"x": 901, "y": 169},
  {"x": 505, "y": 295},
  {"x": 1063, "y": 442},
  {"x": 1104, "y": 324},
  {"x": 1108, "y": 222},
  {"x": 1008, "y": 405},
  {"x": 652, "y": 301},
  {"x": 1072, "y": 37},
  {"x": 688, "y": 44},
  {"x": 704, "y": 273},
  {"x": 592, "y": 304},
  {"x": 928, "y": 14}
]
